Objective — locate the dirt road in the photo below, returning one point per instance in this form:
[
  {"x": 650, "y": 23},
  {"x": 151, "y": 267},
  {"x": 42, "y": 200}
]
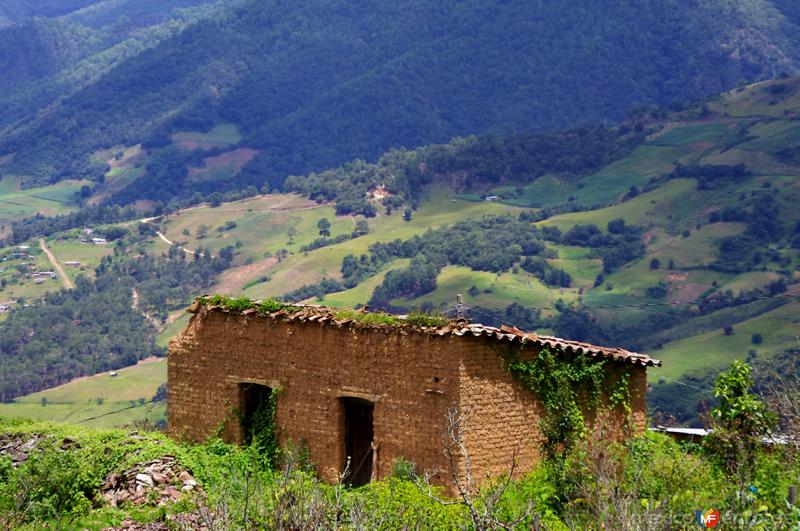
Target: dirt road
[{"x": 56, "y": 265}]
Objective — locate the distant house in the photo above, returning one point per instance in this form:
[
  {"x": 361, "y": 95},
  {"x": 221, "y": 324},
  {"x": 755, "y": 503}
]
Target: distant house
[
  {"x": 72, "y": 263},
  {"x": 492, "y": 198},
  {"x": 5, "y": 308},
  {"x": 88, "y": 231},
  {"x": 99, "y": 241},
  {"x": 368, "y": 394}
]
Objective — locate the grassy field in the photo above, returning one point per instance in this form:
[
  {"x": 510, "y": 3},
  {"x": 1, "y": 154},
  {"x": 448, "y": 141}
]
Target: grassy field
[
  {"x": 360, "y": 294},
  {"x": 223, "y": 166},
  {"x": 709, "y": 351},
  {"x": 71, "y": 250},
  {"x": 98, "y": 395},
  {"x": 221, "y": 136},
  {"x": 495, "y": 291},
  {"x": 15, "y": 270},
  {"x": 16, "y": 203},
  {"x": 267, "y": 224}
]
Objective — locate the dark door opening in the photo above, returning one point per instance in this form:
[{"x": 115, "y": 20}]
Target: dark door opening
[
  {"x": 358, "y": 434},
  {"x": 257, "y": 411}
]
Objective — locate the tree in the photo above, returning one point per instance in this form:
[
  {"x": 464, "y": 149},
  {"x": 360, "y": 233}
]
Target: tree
[
  {"x": 757, "y": 339},
  {"x": 407, "y": 214},
  {"x": 739, "y": 424},
  {"x": 324, "y": 227},
  {"x": 362, "y": 227},
  {"x": 728, "y": 330},
  {"x": 655, "y": 263},
  {"x": 202, "y": 232}
]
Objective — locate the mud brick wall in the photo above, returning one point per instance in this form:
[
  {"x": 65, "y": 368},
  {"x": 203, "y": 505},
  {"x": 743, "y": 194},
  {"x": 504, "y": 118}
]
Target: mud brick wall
[
  {"x": 502, "y": 414},
  {"x": 413, "y": 379}
]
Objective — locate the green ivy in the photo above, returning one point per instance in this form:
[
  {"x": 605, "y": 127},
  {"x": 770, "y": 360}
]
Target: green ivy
[
  {"x": 562, "y": 384},
  {"x": 264, "y": 431}
]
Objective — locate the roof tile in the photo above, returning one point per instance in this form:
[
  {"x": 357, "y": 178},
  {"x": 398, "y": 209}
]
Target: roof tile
[{"x": 460, "y": 327}]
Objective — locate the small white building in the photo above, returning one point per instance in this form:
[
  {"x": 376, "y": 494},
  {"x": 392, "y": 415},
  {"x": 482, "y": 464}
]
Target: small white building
[{"x": 99, "y": 241}]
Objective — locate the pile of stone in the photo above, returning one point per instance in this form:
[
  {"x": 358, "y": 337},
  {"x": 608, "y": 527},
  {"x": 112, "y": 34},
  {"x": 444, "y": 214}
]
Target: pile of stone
[
  {"x": 156, "y": 482},
  {"x": 20, "y": 447}
]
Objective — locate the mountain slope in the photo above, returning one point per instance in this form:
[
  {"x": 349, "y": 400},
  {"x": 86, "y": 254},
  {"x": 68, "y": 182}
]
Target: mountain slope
[
  {"x": 45, "y": 59},
  {"x": 312, "y": 85}
]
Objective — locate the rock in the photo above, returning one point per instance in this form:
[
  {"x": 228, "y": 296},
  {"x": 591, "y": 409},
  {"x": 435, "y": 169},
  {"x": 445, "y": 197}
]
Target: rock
[
  {"x": 185, "y": 476},
  {"x": 144, "y": 479},
  {"x": 112, "y": 482},
  {"x": 159, "y": 478}
]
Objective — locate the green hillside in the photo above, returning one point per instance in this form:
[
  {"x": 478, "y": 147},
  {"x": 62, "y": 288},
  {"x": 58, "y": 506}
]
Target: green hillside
[
  {"x": 311, "y": 85},
  {"x": 675, "y": 242},
  {"x": 51, "y": 51}
]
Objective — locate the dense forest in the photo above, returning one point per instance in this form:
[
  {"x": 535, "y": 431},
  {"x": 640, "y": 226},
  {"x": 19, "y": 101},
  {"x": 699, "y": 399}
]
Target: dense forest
[
  {"x": 373, "y": 76},
  {"x": 49, "y": 57},
  {"x": 105, "y": 323},
  {"x": 72, "y": 333}
]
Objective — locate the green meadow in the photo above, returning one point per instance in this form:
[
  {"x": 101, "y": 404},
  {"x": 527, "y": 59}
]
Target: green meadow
[
  {"x": 16, "y": 202},
  {"x": 97, "y": 396}
]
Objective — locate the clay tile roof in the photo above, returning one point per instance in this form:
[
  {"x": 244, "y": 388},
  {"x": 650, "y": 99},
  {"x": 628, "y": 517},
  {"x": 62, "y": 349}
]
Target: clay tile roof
[{"x": 457, "y": 327}]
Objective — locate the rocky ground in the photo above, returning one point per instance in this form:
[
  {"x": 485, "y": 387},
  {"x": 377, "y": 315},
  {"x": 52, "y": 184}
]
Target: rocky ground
[{"x": 156, "y": 482}]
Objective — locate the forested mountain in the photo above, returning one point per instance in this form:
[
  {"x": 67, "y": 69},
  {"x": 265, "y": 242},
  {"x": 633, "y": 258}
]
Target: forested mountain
[
  {"x": 49, "y": 51},
  {"x": 311, "y": 85}
]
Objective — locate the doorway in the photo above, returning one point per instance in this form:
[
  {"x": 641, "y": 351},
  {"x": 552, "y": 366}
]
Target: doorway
[
  {"x": 358, "y": 437},
  {"x": 257, "y": 409}
]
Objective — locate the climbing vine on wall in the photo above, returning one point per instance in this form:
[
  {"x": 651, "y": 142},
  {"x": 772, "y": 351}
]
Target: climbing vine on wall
[
  {"x": 260, "y": 429},
  {"x": 563, "y": 384}
]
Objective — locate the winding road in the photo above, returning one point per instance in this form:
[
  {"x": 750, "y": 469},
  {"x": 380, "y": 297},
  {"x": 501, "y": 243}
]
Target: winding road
[
  {"x": 56, "y": 265},
  {"x": 165, "y": 239}
]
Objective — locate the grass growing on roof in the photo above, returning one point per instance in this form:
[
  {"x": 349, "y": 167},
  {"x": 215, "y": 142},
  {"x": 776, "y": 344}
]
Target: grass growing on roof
[{"x": 369, "y": 318}]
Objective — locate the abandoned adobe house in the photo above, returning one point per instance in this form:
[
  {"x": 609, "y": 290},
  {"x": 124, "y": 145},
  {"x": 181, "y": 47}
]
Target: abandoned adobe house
[{"x": 373, "y": 393}]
